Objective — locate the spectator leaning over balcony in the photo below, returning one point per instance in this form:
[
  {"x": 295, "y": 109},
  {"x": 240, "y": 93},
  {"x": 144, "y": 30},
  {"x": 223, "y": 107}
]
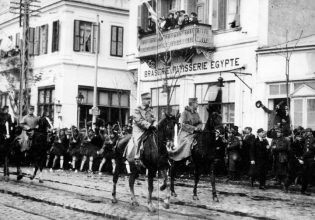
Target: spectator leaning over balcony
[
  {"x": 151, "y": 27},
  {"x": 181, "y": 18},
  {"x": 162, "y": 23},
  {"x": 170, "y": 22},
  {"x": 193, "y": 18}
]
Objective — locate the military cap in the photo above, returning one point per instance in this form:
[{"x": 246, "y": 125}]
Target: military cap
[
  {"x": 308, "y": 130},
  {"x": 260, "y": 130},
  {"x": 193, "y": 100},
  {"x": 146, "y": 95}
]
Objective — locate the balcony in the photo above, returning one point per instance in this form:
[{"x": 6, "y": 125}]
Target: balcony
[{"x": 190, "y": 36}]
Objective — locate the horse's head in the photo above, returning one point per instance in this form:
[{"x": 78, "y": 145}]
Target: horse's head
[
  {"x": 167, "y": 124},
  {"x": 214, "y": 117}
]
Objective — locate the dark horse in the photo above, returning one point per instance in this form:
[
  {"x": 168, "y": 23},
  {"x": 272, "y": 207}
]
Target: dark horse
[
  {"x": 202, "y": 155},
  {"x": 155, "y": 157}
]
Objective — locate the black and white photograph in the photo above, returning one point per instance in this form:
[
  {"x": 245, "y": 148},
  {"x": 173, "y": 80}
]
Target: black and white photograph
[{"x": 157, "y": 109}]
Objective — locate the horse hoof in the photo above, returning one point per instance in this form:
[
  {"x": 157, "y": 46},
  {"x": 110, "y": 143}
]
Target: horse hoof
[
  {"x": 32, "y": 177},
  {"x": 114, "y": 200},
  {"x": 163, "y": 187},
  {"x": 151, "y": 208},
  {"x": 215, "y": 199},
  {"x": 40, "y": 181},
  {"x": 135, "y": 203},
  {"x": 173, "y": 194},
  {"x": 166, "y": 205},
  {"x": 195, "y": 197},
  {"x": 19, "y": 177}
]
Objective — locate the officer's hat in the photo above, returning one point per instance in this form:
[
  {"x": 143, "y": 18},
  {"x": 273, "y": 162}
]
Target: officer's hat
[
  {"x": 193, "y": 100},
  {"x": 145, "y": 96}
]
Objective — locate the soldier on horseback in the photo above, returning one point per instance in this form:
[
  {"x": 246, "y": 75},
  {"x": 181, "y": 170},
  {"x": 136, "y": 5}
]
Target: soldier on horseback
[{"x": 143, "y": 120}]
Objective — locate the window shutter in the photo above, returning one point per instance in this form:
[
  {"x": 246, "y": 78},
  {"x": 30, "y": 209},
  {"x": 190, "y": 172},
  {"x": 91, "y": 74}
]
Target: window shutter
[
  {"x": 76, "y": 36},
  {"x": 237, "y": 15},
  {"x": 18, "y": 40},
  {"x": 45, "y": 39},
  {"x": 215, "y": 15},
  {"x": 31, "y": 41},
  {"x": 222, "y": 15},
  {"x": 55, "y": 36},
  {"x": 96, "y": 34},
  {"x": 36, "y": 40},
  {"x": 120, "y": 42},
  {"x": 113, "y": 44}
]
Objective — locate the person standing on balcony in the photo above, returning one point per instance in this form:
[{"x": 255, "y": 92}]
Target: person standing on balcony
[{"x": 193, "y": 18}]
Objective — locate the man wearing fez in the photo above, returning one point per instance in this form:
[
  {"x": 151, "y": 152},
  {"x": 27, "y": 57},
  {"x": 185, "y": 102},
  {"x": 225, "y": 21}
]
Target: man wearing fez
[
  {"x": 190, "y": 123},
  {"x": 143, "y": 120}
]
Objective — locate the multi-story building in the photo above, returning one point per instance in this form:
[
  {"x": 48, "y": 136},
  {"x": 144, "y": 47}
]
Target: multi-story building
[
  {"x": 62, "y": 46},
  {"x": 226, "y": 43}
]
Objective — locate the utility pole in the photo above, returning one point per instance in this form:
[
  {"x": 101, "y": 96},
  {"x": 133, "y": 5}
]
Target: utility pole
[
  {"x": 25, "y": 9},
  {"x": 95, "y": 110}
]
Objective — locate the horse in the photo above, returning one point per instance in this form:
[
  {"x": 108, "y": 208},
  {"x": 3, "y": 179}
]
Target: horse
[
  {"x": 155, "y": 157},
  {"x": 202, "y": 155}
]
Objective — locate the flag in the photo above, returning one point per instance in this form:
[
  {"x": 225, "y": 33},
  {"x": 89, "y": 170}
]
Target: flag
[{"x": 151, "y": 10}]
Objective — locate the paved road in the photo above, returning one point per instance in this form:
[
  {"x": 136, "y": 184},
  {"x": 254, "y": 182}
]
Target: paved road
[{"x": 68, "y": 195}]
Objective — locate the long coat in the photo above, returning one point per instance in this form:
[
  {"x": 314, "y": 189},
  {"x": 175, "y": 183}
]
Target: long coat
[
  {"x": 233, "y": 151},
  {"x": 259, "y": 153},
  {"x": 190, "y": 120},
  {"x": 143, "y": 118},
  {"x": 281, "y": 156}
]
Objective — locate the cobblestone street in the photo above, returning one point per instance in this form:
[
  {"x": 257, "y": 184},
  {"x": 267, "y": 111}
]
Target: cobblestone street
[{"x": 68, "y": 195}]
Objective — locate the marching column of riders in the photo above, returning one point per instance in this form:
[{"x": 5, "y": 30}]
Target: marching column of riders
[{"x": 289, "y": 157}]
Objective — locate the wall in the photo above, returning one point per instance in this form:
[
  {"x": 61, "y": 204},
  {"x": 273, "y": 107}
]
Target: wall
[{"x": 291, "y": 15}]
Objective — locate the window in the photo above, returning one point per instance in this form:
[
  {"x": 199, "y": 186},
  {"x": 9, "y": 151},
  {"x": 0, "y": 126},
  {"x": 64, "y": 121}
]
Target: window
[
  {"x": 55, "y": 37},
  {"x": 278, "y": 89},
  {"x": 85, "y": 34},
  {"x": 113, "y": 104},
  {"x": 46, "y": 99},
  {"x": 117, "y": 41},
  {"x": 43, "y": 39},
  {"x": 40, "y": 38},
  {"x": 225, "y": 14},
  {"x": 209, "y": 92},
  {"x": 310, "y": 113},
  {"x": 159, "y": 101}
]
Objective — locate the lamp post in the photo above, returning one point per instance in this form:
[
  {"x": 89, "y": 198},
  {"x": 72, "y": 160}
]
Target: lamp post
[{"x": 79, "y": 99}]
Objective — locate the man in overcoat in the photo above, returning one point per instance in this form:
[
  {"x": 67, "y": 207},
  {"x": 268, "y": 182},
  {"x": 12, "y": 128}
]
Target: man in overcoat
[
  {"x": 258, "y": 153},
  {"x": 143, "y": 120},
  {"x": 190, "y": 122},
  {"x": 280, "y": 150},
  {"x": 233, "y": 154}
]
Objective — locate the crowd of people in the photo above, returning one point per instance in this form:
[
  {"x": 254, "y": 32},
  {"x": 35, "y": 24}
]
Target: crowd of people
[
  {"x": 178, "y": 19},
  {"x": 286, "y": 156}
]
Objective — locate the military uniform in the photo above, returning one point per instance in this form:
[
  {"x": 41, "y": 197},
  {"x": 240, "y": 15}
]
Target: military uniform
[
  {"x": 190, "y": 121},
  {"x": 309, "y": 162},
  {"x": 30, "y": 120},
  {"x": 281, "y": 155}
]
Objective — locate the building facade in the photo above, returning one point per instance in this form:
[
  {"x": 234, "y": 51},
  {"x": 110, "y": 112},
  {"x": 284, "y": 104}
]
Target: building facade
[
  {"x": 62, "y": 48},
  {"x": 189, "y": 60}
]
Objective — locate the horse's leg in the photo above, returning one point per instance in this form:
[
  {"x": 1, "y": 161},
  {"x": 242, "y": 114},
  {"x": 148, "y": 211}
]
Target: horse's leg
[
  {"x": 91, "y": 164},
  {"x": 127, "y": 167},
  {"x": 18, "y": 167},
  {"x": 54, "y": 162},
  {"x": 61, "y": 162},
  {"x": 35, "y": 170},
  {"x": 132, "y": 179},
  {"x": 113, "y": 165},
  {"x": 6, "y": 168},
  {"x": 74, "y": 160},
  {"x": 82, "y": 163},
  {"x": 212, "y": 178},
  {"x": 47, "y": 160},
  {"x": 151, "y": 174},
  {"x": 101, "y": 165},
  {"x": 166, "y": 203},
  {"x": 41, "y": 166},
  {"x": 197, "y": 177},
  {"x": 115, "y": 180},
  {"x": 173, "y": 169}
]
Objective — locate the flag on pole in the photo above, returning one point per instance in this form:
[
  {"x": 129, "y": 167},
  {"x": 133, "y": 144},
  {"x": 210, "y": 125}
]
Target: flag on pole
[{"x": 151, "y": 10}]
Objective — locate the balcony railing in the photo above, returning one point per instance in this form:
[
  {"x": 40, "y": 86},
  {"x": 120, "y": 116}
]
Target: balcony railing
[{"x": 190, "y": 36}]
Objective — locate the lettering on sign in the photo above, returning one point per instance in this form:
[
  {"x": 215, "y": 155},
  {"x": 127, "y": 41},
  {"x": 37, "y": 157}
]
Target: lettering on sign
[{"x": 193, "y": 68}]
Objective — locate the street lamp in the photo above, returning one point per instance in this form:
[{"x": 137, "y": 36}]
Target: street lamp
[
  {"x": 58, "y": 107},
  {"x": 79, "y": 99}
]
